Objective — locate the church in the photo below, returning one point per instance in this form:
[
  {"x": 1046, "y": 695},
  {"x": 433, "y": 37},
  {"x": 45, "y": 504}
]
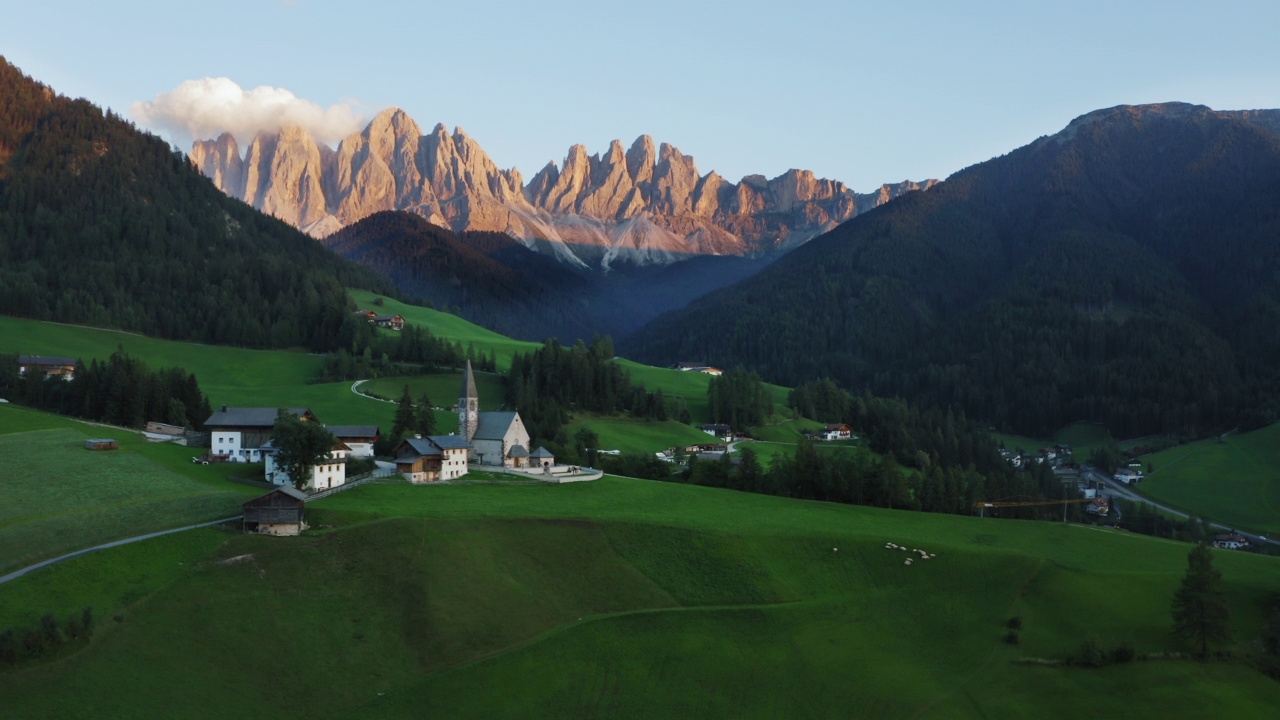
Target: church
[{"x": 496, "y": 438}]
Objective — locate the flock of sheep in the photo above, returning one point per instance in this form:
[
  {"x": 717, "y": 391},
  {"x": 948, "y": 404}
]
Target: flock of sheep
[{"x": 923, "y": 555}]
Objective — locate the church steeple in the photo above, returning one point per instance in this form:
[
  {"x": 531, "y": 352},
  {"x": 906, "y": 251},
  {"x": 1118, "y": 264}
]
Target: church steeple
[{"x": 468, "y": 405}]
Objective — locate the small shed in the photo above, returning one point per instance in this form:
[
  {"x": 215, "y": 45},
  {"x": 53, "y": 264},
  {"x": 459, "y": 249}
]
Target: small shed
[
  {"x": 542, "y": 458},
  {"x": 279, "y": 512},
  {"x": 101, "y": 444}
]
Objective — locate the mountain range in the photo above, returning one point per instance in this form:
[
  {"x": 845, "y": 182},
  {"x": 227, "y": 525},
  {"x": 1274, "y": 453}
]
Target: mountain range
[
  {"x": 646, "y": 204},
  {"x": 1125, "y": 270}
]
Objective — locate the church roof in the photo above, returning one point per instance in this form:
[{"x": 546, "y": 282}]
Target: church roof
[
  {"x": 468, "y": 384},
  {"x": 494, "y": 425}
]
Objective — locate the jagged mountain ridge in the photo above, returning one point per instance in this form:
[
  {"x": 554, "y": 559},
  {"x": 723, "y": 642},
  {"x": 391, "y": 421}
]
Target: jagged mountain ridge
[{"x": 644, "y": 205}]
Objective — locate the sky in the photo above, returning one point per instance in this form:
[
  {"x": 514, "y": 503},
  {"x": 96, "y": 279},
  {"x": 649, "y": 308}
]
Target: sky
[{"x": 862, "y": 92}]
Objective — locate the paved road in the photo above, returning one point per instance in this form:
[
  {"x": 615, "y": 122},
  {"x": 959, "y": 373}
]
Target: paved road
[
  {"x": 1124, "y": 492},
  {"x": 19, "y": 573}
]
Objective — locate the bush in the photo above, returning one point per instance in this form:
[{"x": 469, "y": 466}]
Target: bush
[
  {"x": 1011, "y": 637},
  {"x": 1089, "y": 654},
  {"x": 1014, "y": 623},
  {"x": 1123, "y": 653}
]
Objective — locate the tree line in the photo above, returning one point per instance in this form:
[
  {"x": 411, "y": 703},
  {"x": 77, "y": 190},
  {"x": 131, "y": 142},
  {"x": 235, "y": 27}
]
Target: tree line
[{"x": 122, "y": 390}]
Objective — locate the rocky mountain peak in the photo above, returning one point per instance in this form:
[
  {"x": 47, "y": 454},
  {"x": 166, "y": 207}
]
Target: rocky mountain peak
[{"x": 644, "y": 204}]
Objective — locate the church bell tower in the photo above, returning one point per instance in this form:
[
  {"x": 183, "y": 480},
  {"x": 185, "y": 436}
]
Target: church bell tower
[{"x": 468, "y": 406}]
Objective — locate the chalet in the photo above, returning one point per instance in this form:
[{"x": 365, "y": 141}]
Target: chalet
[
  {"x": 837, "y": 431},
  {"x": 1099, "y": 506},
  {"x": 329, "y": 474},
  {"x": 394, "y": 322},
  {"x": 101, "y": 444},
  {"x": 63, "y": 367},
  {"x": 719, "y": 430},
  {"x": 1231, "y": 541},
  {"x": 279, "y": 512},
  {"x": 432, "y": 458},
  {"x": 369, "y": 315},
  {"x": 237, "y": 434},
  {"x": 360, "y": 438}
]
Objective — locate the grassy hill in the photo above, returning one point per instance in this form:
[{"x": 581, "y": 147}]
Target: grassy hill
[
  {"x": 60, "y": 497},
  {"x": 1233, "y": 480},
  {"x": 625, "y": 598}
]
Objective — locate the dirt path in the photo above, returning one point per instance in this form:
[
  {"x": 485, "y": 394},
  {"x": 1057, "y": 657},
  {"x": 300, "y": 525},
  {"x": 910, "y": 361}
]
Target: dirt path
[{"x": 115, "y": 543}]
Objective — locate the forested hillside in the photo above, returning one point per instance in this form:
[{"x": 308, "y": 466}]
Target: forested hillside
[
  {"x": 495, "y": 281},
  {"x": 1125, "y": 270},
  {"x": 105, "y": 225}
]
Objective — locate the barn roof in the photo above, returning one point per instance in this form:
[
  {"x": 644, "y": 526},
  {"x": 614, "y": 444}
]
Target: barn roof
[
  {"x": 451, "y": 442},
  {"x": 436, "y": 444},
  {"x": 249, "y": 416},
  {"x": 353, "y": 431},
  {"x": 45, "y": 360}
]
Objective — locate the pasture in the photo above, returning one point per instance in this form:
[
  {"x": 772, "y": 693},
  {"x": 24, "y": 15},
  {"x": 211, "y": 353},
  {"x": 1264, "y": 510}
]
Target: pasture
[
  {"x": 470, "y": 601},
  {"x": 1234, "y": 480},
  {"x": 57, "y": 497}
]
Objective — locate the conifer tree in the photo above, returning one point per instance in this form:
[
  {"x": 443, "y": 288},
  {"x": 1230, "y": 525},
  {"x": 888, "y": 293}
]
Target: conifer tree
[
  {"x": 1199, "y": 608},
  {"x": 426, "y": 416}
]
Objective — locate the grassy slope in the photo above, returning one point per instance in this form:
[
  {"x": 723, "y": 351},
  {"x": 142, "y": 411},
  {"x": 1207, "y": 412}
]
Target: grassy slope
[
  {"x": 1235, "y": 481},
  {"x": 59, "y": 497},
  {"x": 470, "y": 601},
  {"x": 639, "y": 436}
]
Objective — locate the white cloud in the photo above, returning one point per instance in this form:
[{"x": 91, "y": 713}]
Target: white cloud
[{"x": 206, "y": 108}]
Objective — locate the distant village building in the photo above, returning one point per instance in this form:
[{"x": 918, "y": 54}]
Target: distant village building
[
  {"x": 1127, "y": 475},
  {"x": 837, "y": 431},
  {"x": 360, "y": 438},
  {"x": 394, "y": 322},
  {"x": 101, "y": 444},
  {"x": 698, "y": 367},
  {"x": 496, "y": 438},
  {"x": 237, "y": 434},
  {"x": 719, "y": 430},
  {"x": 279, "y": 512},
  {"x": 63, "y": 367},
  {"x": 1231, "y": 541},
  {"x": 432, "y": 458}
]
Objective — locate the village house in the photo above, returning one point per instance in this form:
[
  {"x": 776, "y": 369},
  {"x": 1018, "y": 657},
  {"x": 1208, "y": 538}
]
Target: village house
[
  {"x": 237, "y": 434},
  {"x": 1231, "y": 541},
  {"x": 1127, "y": 475},
  {"x": 432, "y": 458},
  {"x": 394, "y": 322},
  {"x": 279, "y": 512},
  {"x": 369, "y": 315},
  {"x": 360, "y": 438},
  {"x": 63, "y": 367},
  {"x": 329, "y": 474},
  {"x": 496, "y": 438},
  {"x": 838, "y": 431},
  {"x": 719, "y": 430}
]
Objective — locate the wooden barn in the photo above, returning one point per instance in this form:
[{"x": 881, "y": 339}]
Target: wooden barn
[
  {"x": 279, "y": 512},
  {"x": 101, "y": 444}
]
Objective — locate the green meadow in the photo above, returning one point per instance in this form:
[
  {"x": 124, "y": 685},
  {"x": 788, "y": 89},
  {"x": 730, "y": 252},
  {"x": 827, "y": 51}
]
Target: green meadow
[
  {"x": 638, "y": 436},
  {"x": 1234, "y": 480},
  {"x": 626, "y": 598},
  {"x": 58, "y": 497}
]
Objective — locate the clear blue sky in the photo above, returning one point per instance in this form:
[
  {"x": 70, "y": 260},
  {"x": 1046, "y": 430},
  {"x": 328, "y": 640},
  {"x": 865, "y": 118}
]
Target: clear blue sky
[{"x": 864, "y": 92}]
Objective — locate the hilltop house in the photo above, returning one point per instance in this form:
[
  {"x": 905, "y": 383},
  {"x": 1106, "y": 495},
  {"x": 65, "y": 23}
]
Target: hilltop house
[
  {"x": 837, "y": 431},
  {"x": 395, "y": 322},
  {"x": 238, "y": 434},
  {"x": 325, "y": 476},
  {"x": 698, "y": 367},
  {"x": 496, "y": 438},
  {"x": 63, "y": 367},
  {"x": 432, "y": 458},
  {"x": 719, "y": 430}
]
